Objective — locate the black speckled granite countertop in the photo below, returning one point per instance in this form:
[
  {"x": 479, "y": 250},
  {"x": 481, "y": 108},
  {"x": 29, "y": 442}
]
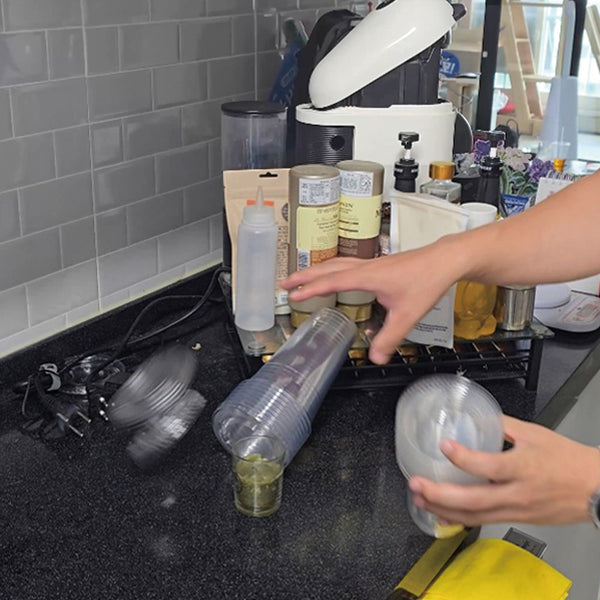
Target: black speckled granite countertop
[{"x": 79, "y": 521}]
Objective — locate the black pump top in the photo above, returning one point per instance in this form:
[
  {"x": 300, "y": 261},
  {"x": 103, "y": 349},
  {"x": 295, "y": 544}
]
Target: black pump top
[{"x": 408, "y": 138}]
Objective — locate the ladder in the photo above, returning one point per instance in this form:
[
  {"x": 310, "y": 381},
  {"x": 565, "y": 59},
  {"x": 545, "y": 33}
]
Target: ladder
[{"x": 515, "y": 40}]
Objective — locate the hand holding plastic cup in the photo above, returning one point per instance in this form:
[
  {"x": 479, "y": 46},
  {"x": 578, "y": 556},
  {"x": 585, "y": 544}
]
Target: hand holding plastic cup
[{"x": 436, "y": 408}]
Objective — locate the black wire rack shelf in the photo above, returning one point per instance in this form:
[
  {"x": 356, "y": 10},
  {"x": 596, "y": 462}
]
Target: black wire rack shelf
[{"x": 502, "y": 356}]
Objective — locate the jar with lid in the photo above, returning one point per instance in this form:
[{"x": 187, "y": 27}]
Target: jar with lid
[{"x": 441, "y": 184}]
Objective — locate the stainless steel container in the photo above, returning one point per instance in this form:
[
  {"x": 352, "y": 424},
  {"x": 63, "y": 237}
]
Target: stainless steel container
[{"x": 514, "y": 307}]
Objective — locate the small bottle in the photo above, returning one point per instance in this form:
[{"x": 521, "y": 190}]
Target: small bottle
[
  {"x": 559, "y": 165},
  {"x": 360, "y": 223},
  {"x": 474, "y": 302},
  {"x": 256, "y": 267},
  {"x": 490, "y": 170},
  {"x": 441, "y": 184},
  {"x": 406, "y": 171},
  {"x": 314, "y": 213}
]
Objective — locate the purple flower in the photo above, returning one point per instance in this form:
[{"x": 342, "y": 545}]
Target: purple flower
[{"x": 539, "y": 168}]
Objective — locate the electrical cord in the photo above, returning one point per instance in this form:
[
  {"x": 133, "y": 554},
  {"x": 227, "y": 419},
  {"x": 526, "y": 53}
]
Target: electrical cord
[{"x": 126, "y": 341}]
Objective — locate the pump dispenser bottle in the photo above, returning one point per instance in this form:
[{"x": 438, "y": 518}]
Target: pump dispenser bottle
[
  {"x": 474, "y": 302},
  {"x": 490, "y": 170},
  {"x": 406, "y": 171},
  {"x": 256, "y": 267}
]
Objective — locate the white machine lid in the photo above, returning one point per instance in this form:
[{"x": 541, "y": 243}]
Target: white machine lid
[{"x": 385, "y": 39}]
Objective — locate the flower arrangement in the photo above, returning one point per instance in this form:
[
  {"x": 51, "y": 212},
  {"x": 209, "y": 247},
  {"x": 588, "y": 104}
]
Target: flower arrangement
[{"x": 521, "y": 174}]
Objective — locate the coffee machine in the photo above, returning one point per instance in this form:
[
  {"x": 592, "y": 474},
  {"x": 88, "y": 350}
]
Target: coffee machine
[{"x": 375, "y": 80}]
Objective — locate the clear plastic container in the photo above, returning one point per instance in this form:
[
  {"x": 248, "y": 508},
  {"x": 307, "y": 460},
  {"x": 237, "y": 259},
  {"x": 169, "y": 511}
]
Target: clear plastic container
[
  {"x": 436, "y": 408},
  {"x": 285, "y": 395},
  {"x": 253, "y": 135}
]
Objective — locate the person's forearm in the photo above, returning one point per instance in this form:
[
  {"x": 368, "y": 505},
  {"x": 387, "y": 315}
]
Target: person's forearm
[{"x": 555, "y": 241}]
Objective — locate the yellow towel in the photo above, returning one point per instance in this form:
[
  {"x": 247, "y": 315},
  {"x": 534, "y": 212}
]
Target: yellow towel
[{"x": 491, "y": 569}]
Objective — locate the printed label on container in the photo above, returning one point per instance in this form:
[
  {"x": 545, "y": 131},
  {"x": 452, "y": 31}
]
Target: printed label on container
[
  {"x": 316, "y": 235},
  {"x": 357, "y": 183},
  {"x": 319, "y": 192},
  {"x": 360, "y": 218}
]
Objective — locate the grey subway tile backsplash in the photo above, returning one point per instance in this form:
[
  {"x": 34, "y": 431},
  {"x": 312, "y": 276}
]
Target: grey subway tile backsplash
[
  {"x": 216, "y": 232},
  {"x": 10, "y": 227},
  {"x": 48, "y": 106},
  {"x": 102, "y": 50},
  {"x": 180, "y": 84},
  {"x": 126, "y": 267},
  {"x": 149, "y": 218},
  {"x": 107, "y": 143},
  {"x": 72, "y": 149},
  {"x": 111, "y": 230},
  {"x": 215, "y": 165},
  {"x": 110, "y": 161},
  {"x": 177, "y": 9},
  {"x": 55, "y": 202},
  {"x": 5, "y": 115},
  {"x": 36, "y": 14},
  {"x": 206, "y": 38},
  {"x": 112, "y": 12},
  {"x": 123, "y": 184},
  {"x": 62, "y": 292},
  {"x": 77, "y": 242},
  {"x": 149, "y": 45},
  {"x": 152, "y": 133},
  {"x": 13, "y": 305},
  {"x": 181, "y": 168},
  {"x": 66, "y": 56},
  {"x": 228, "y": 7},
  {"x": 203, "y": 200},
  {"x": 230, "y": 76},
  {"x": 183, "y": 245},
  {"x": 27, "y": 160},
  {"x": 119, "y": 94},
  {"x": 201, "y": 122},
  {"x": 243, "y": 34},
  {"x": 23, "y": 58},
  {"x": 29, "y": 257}
]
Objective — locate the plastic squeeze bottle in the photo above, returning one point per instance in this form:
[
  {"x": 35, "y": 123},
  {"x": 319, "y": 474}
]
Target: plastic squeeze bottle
[{"x": 256, "y": 266}]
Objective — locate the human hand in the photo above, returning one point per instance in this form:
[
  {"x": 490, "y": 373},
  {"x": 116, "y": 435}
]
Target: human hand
[
  {"x": 407, "y": 285},
  {"x": 545, "y": 478}
]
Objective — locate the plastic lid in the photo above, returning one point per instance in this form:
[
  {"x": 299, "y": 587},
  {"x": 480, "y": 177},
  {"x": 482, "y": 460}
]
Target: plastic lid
[
  {"x": 385, "y": 39},
  {"x": 259, "y": 213},
  {"x": 252, "y": 108},
  {"x": 441, "y": 170}
]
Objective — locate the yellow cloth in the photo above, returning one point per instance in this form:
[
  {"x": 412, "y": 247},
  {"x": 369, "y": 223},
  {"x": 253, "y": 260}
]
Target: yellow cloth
[{"x": 493, "y": 569}]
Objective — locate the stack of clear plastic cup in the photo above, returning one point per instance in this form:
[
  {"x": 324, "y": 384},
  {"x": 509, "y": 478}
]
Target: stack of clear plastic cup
[
  {"x": 285, "y": 395},
  {"x": 436, "y": 408}
]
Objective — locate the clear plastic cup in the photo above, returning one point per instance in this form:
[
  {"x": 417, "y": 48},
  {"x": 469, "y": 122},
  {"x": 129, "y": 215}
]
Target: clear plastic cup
[
  {"x": 285, "y": 395},
  {"x": 255, "y": 408},
  {"x": 436, "y": 408}
]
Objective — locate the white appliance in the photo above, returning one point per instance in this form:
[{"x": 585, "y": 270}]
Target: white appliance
[{"x": 380, "y": 80}]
